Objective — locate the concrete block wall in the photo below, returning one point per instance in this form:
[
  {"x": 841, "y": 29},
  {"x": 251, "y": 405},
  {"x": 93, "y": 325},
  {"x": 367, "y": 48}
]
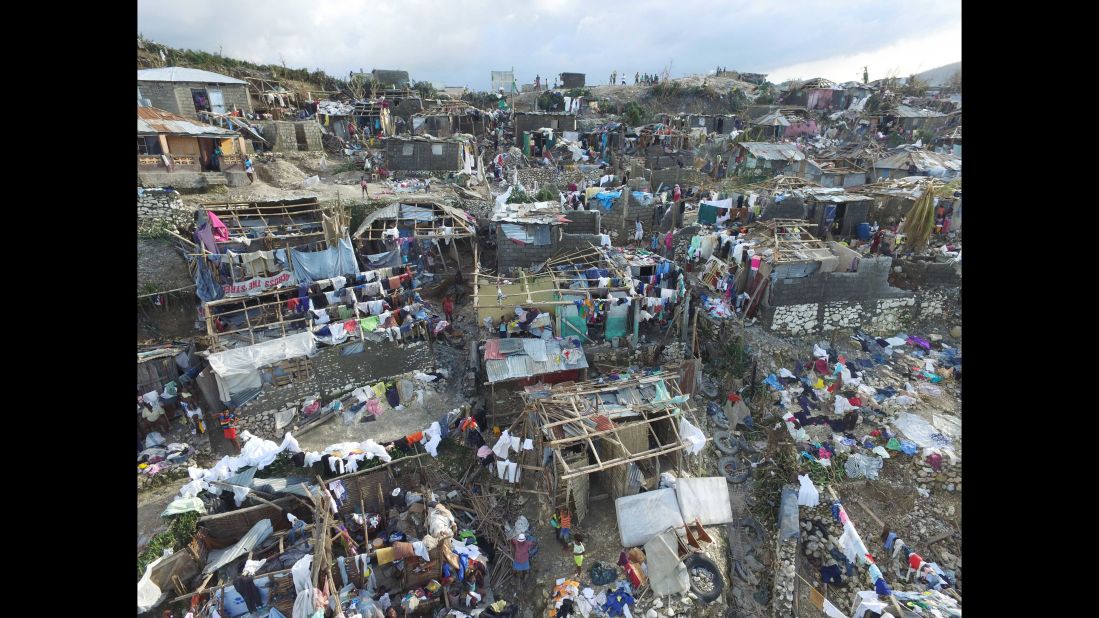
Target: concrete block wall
[
  {"x": 673, "y": 175},
  {"x": 282, "y": 134},
  {"x": 583, "y": 222},
  {"x": 621, "y": 218},
  {"x": 930, "y": 274},
  {"x": 510, "y": 255},
  {"x": 334, "y": 375},
  {"x": 160, "y": 208},
  {"x": 176, "y": 97}
]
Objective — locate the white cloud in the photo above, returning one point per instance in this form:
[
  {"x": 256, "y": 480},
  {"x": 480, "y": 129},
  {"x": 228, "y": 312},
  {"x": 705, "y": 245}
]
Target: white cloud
[{"x": 460, "y": 42}]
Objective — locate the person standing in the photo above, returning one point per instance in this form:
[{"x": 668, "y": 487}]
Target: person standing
[
  {"x": 668, "y": 240},
  {"x": 448, "y": 308},
  {"x": 636, "y": 78},
  {"x": 362, "y": 185},
  {"x": 578, "y": 553},
  {"x": 215, "y": 158},
  {"x": 193, "y": 412},
  {"x": 521, "y": 562},
  {"x": 639, "y": 231},
  {"x": 228, "y": 421},
  {"x": 248, "y": 169}
]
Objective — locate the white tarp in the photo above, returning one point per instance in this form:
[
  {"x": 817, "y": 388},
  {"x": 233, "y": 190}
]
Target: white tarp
[
  {"x": 667, "y": 575},
  {"x": 237, "y": 370},
  {"x": 645, "y": 515},
  {"x": 705, "y": 499}
]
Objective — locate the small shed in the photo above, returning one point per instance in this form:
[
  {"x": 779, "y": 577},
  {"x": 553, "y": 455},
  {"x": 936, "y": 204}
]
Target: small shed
[
  {"x": 770, "y": 158},
  {"x": 426, "y": 154}
]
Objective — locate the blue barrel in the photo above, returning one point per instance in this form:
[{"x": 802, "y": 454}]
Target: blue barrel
[{"x": 863, "y": 231}]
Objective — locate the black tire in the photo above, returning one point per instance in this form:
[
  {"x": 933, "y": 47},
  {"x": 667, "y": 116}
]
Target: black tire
[
  {"x": 703, "y": 563},
  {"x": 733, "y": 470},
  {"x": 727, "y": 443}
]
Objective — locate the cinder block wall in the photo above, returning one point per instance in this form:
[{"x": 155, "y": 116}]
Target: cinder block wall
[
  {"x": 621, "y": 218},
  {"x": 582, "y": 222},
  {"x": 930, "y": 274},
  {"x": 176, "y": 97},
  {"x": 510, "y": 255},
  {"x": 282, "y": 134}
]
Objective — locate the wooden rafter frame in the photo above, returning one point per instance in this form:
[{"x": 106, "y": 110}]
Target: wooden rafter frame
[{"x": 568, "y": 405}]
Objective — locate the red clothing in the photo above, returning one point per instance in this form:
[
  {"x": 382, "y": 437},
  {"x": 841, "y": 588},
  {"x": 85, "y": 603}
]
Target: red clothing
[
  {"x": 522, "y": 550},
  {"x": 448, "y": 305},
  {"x": 914, "y": 560}
]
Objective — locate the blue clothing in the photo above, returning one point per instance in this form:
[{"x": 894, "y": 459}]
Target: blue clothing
[
  {"x": 520, "y": 566},
  {"x": 830, "y": 574},
  {"x": 882, "y": 588},
  {"x": 889, "y": 540}
]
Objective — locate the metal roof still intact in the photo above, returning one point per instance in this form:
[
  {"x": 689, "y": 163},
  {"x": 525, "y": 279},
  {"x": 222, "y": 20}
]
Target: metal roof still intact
[
  {"x": 153, "y": 121},
  {"x": 183, "y": 74},
  {"x": 924, "y": 160},
  {"x": 773, "y": 152}
]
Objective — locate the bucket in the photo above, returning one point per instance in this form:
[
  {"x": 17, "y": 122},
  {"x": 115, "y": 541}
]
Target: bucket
[{"x": 863, "y": 231}]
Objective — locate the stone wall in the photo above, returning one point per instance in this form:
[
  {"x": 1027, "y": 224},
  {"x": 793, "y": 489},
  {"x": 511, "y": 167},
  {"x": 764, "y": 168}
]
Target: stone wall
[
  {"x": 192, "y": 180},
  {"x": 334, "y": 374},
  {"x": 161, "y": 209}
]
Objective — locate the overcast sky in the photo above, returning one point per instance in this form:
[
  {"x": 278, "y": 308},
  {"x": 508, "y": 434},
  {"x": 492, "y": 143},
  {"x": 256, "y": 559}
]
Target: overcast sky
[{"x": 459, "y": 42}]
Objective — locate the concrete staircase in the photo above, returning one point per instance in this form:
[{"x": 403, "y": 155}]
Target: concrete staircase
[{"x": 215, "y": 179}]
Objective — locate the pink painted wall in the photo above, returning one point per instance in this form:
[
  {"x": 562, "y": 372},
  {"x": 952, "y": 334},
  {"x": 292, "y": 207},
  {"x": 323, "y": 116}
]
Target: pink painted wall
[{"x": 798, "y": 129}]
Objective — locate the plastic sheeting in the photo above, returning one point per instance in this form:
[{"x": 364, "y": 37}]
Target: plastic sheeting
[
  {"x": 148, "y": 593},
  {"x": 332, "y": 262},
  {"x": 858, "y": 466},
  {"x": 923, "y": 433},
  {"x": 788, "y": 524},
  {"x": 693, "y": 437},
  {"x": 808, "y": 494},
  {"x": 184, "y": 505},
  {"x": 645, "y": 515},
  {"x": 667, "y": 575},
  {"x": 237, "y": 369},
  {"x": 705, "y": 499},
  {"x": 252, "y": 538}
]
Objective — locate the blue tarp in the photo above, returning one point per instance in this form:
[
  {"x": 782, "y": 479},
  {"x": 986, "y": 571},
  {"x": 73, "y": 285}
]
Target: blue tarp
[
  {"x": 332, "y": 262},
  {"x": 606, "y": 198},
  {"x": 205, "y": 287},
  {"x": 643, "y": 198},
  {"x": 384, "y": 260}
]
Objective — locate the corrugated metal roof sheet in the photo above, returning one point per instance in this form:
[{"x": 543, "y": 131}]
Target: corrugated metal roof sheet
[
  {"x": 829, "y": 194},
  {"x": 924, "y": 160},
  {"x": 184, "y": 74},
  {"x": 773, "y": 152},
  {"x": 255, "y": 536},
  {"x": 153, "y": 121},
  {"x": 523, "y": 364},
  {"x": 535, "y": 348},
  {"x": 907, "y": 111}
]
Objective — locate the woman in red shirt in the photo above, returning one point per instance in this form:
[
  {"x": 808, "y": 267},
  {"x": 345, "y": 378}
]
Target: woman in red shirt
[{"x": 448, "y": 308}]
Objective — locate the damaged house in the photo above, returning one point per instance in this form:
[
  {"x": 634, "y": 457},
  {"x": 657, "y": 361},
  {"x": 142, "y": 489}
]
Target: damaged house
[
  {"x": 177, "y": 151},
  {"x": 188, "y": 92},
  {"x": 782, "y": 123},
  {"x": 527, "y": 123},
  {"x": 528, "y": 234},
  {"x": 805, "y": 285},
  {"x": 422, "y": 227},
  {"x": 768, "y": 158},
  {"x": 817, "y": 94},
  {"x": 909, "y": 160},
  {"x": 427, "y": 154},
  {"x": 834, "y": 212}
]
